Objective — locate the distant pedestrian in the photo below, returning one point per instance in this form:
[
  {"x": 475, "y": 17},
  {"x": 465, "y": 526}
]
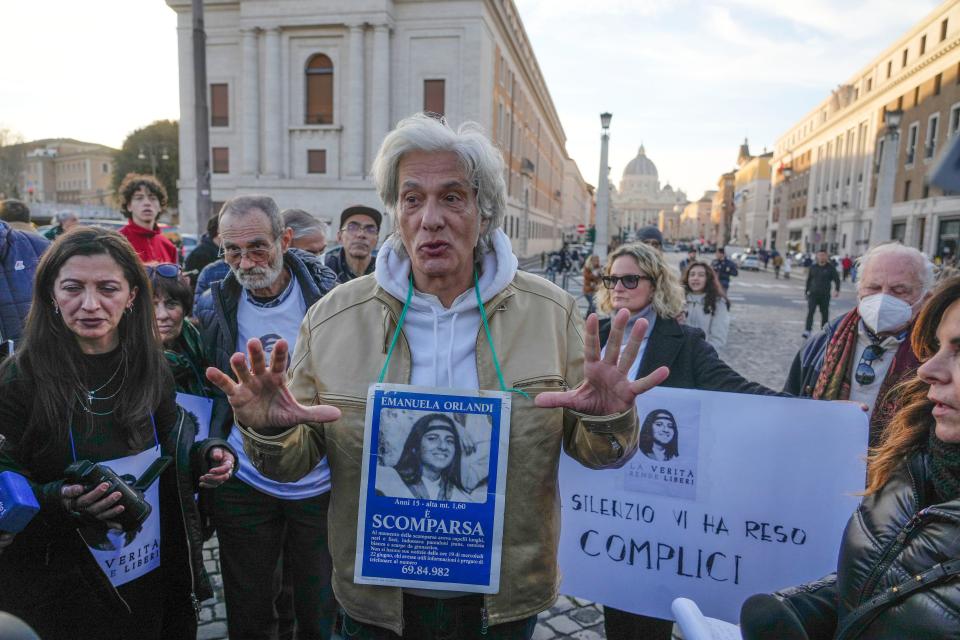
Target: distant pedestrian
[
  {"x": 591, "y": 281},
  {"x": 358, "y": 235},
  {"x": 142, "y": 199},
  {"x": 787, "y": 267},
  {"x": 777, "y": 264},
  {"x": 65, "y": 220},
  {"x": 206, "y": 251},
  {"x": 725, "y": 268},
  {"x": 707, "y": 307},
  {"x": 651, "y": 236},
  {"x": 765, "y": 256},
  {"x": 847, "y": 264},
  {"x": 819, "y": 278},
  {"x": 19, "y": 255},
  {"x": 689, "y": 260},
  {"x": 17, "y": 214},
  {"x": 309, "y": 233}
]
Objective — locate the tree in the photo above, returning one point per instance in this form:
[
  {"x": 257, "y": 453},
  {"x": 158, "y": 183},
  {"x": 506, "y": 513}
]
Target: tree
[
  {"x": 11, "y": 162},
  {"x": 154, "y": 150}
]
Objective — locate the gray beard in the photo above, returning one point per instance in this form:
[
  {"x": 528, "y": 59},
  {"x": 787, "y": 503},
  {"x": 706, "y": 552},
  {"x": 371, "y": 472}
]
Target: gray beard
[{"x": 259, "y": 277}]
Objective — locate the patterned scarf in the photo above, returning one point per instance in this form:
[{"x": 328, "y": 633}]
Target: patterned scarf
[
  {"x": 945, "y": 467},
  {"x": 833, "y": 383},
  {"x": 187, "y": 362}
]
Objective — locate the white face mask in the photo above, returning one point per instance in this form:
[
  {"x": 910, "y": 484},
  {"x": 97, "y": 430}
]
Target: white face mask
[{"x": 883, "y": 313}]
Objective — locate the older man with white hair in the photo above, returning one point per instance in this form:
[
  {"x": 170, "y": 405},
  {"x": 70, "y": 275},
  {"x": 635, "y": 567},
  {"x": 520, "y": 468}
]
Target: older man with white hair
[
  {"x": 63, "y": 222},
  {"x": 862, "y": 354},
  {"x": 470, "y": 320}
]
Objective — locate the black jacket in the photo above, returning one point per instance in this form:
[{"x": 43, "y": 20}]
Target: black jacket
[
  {"x": 204, "y": 253},
  {"x": 216, "y": 310},
  {"x": 809, "y": 361},
  {"x": 50, "y": 555},
  {"x": 819, "y": 279},
  {"x": 895, "y": 534},
  {"x": 693, "y": 363},
  {"x": 336, "y": 261}
]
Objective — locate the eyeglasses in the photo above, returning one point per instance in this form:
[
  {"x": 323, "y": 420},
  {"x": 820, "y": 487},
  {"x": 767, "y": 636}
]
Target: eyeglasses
[
  {"x": 356, "y": 227},
  {"x": 629, "y": 281},
  {"x": 256, "y": 254},
  {"x": 865, "y": 374},
  {"x": 164, "y": 270}
]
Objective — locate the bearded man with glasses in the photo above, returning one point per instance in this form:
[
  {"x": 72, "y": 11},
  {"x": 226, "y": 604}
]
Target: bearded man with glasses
[
  {"x": 358, "y": 234},
  {"x": 863, "y": 354},
  {"x": 265, "y": 296}
]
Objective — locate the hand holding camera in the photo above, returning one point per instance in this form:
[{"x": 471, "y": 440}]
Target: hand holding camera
[{"x": 98, "y": 493}]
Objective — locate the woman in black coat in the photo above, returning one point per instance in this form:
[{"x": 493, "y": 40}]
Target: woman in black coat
[
  {"x": 637, "y": 278},
  {"x": 897, "y": 570}
]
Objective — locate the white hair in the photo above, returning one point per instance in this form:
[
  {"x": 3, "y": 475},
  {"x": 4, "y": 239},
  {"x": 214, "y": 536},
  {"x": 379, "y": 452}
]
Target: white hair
[
  {"x": 924, "y": 268},
  {"x": 303, "y": 223},
  {"x": 480, "y": 160},
  {"x": 63, "y": 216}
]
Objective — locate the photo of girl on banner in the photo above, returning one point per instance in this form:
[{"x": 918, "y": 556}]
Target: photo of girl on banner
[
  {"x": 669, "y": 442},
  {"x": 433, "y": 456}
]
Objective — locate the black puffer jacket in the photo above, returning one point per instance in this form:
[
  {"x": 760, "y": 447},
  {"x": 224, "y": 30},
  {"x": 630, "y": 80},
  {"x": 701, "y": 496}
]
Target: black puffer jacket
[{"x": 895, "y": 534}]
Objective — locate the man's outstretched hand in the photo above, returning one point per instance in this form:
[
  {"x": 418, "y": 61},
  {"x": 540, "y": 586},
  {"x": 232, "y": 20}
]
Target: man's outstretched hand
[
  {"x": 260, "y": 398},
  {"x": 607, "y": 388}
]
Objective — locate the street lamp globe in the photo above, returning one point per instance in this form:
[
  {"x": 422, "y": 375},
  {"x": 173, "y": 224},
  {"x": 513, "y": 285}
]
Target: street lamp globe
[
  {"x": 605, "y": 118},
  {"x": 893, "y": 118}
]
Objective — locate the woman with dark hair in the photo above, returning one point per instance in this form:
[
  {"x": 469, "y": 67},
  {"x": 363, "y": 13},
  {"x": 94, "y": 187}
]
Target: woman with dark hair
[
  {"x": 90, "y": 384},
  {"x": 659, "y": 436},
  {"x": 183, "y": 348},
  {"x": 429, "y": 466},
  {"x": 707, "y": 307},
  {"x": 897, "y": 569}
]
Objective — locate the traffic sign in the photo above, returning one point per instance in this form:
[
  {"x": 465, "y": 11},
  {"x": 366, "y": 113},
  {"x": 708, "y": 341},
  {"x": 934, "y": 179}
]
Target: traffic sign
[{"x": 581, "y": 228}]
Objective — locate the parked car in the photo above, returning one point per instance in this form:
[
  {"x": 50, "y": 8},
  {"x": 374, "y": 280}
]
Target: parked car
[
  {"x": 750, "y": 263},
  {"x": 188, "y": 242}
]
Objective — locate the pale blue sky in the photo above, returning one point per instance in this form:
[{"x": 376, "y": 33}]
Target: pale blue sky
[{"x": 688, "y": 78}]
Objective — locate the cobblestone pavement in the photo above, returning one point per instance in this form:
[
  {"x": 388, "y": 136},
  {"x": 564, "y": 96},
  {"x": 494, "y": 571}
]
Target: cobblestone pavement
[{"x": 762, "y": 342}]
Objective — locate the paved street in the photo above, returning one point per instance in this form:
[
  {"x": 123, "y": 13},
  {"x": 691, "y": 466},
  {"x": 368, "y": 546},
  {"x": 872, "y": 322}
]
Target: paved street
[{"x": 765, "y": 334}]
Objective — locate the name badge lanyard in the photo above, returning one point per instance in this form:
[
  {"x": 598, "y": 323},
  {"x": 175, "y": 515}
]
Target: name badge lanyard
[{"x": 486, "y": 329}]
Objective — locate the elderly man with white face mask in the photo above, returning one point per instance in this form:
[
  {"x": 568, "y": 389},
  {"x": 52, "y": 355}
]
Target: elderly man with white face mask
[{"x": 862, "y": 354}]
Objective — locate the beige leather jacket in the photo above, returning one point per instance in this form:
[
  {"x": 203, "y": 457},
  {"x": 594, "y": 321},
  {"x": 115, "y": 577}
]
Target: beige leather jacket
[{"x": 538, "y": 336}]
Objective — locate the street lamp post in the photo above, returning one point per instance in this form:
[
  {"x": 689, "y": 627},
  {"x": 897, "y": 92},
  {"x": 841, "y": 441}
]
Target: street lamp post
[
  {"x": 882, "y": 227},
  {"x": 150, "y": 152},
  {"x": 603, "y": 191}
]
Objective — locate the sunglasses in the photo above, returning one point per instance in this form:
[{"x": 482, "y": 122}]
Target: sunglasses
[
  {"x": 865, "y": 374},
  {"x": 629, "y": 281},
  {"x": 164, "y": 270}
]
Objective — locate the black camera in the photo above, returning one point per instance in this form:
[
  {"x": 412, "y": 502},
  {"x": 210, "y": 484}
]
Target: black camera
[{"x": 135, "y": 507}]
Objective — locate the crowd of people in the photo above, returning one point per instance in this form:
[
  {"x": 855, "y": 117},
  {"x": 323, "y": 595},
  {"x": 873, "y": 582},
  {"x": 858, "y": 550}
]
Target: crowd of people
[{"x": 283, "y": 338}]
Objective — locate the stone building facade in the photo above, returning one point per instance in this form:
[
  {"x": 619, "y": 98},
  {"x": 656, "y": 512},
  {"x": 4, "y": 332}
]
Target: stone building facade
[
  {"x": 751, "y": 199},
  {"x": 825, "y": 167},
  {"x": 67, "y": 171},
  {"x": 303, "y": 92}
]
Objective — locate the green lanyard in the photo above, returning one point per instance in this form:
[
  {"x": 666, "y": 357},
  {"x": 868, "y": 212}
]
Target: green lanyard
[{"x": 486, "y": 329}]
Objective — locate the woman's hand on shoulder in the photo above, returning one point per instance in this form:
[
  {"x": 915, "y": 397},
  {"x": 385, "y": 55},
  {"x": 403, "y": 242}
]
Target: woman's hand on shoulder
[{"x": 222, "y": 465}]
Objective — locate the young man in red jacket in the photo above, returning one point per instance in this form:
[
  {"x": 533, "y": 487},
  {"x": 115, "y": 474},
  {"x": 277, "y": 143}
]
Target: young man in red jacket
[{"x": 143, "y": 200}]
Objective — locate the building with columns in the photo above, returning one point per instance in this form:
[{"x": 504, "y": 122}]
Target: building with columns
[
  {"x": 303, "y": 92},
  {"x": 640, "y": 199},
  {"x": 697, "y": 221},
  {"x": 722, "y": 207},
  {"x": 826, "y": 167}
]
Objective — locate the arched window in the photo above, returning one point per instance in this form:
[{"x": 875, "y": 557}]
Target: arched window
[{"x": 319, "y": 90}]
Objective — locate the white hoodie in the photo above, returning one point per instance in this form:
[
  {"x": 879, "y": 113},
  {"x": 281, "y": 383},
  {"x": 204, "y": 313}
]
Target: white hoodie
[{"x": 443, "y": 341}]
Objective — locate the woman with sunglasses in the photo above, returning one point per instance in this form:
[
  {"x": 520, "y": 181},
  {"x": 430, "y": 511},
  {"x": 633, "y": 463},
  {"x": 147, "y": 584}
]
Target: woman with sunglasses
[
  {"x": 707, "y": 306},
  {"x": 897, "y": 570},
  {"x": 638, "y": 278},
  {"x": 90, "y": 384}
]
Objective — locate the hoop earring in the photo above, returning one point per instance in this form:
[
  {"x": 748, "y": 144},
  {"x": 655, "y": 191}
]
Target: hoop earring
[{"x": 129, "y": 310}]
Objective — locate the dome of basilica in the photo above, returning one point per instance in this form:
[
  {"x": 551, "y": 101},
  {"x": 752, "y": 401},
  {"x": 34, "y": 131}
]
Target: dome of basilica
[{"x": 641, "y": 166}]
